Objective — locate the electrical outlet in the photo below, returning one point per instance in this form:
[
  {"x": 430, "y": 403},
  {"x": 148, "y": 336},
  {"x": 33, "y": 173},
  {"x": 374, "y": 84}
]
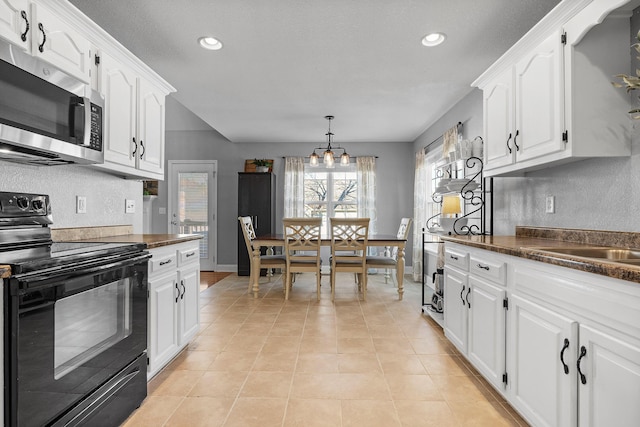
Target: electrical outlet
[
  {"x": 129, "y": 206},
  {"x": 550, "y": 206},
  {"x": 81, "y": 204}
]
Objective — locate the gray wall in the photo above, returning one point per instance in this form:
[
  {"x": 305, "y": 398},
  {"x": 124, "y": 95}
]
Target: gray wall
[
  {"x": 105, "y": 193},
  {"x": 394, "y": 174}
]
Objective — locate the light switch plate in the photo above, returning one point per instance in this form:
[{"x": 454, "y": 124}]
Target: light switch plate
[{"x": 129, "y": 206}]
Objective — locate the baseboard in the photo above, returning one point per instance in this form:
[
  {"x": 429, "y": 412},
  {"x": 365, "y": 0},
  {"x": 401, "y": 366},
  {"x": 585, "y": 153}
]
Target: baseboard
[{"x": 227, "y": 268}]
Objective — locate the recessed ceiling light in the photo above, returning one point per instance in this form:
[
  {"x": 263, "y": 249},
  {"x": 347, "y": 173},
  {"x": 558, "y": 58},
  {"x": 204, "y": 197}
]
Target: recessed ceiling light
[
  {"x": 210, "y": 43},
  {"x": 433, "y": 39}
]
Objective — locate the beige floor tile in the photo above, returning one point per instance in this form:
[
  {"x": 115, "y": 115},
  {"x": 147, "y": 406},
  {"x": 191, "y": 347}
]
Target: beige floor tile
[
  {"x": 267, "y": 384},
  {"x": 155, "y": 411},
  {"x": 370, "y": 413},
  {"x": 482, "y": 414},
  {"x": 401, "y": 364},
  {"x": 275, "y": 362},
  {"x": 427, "y": 346},
  {"x": 233, "y": 361},
  {"x": 387, "y": 330},
  {"x": 356, "y": 345},
  {"x": 192, "y": 361},
  {"x": 176, "y": 383},
  {"x": 352, "y": 331},
  {"x": 263, "y": 318},
  {"x": 413, "y": 387},
  {"x": 250, "y": 343},
  {"x": 317, "y": 363},
  {"x": 318, "y": 344},
  {"x": 425, "y": 414},
  {"x": 287, "y": 329},
  {"x": 444, "y": 364},
  {"x": 358, "y": 363},
  {"x": 460, "y": 389},
  {"x": 254, "y": 329},
  {"x": 219, "y": 384},
  {"x": 393, "y": 345},
  {"x": 276, "y": 344},
  {"x": 200, "y": 411},
  {"x": 313, "y": 413},
  {"x": 340, "y": 386},
  {"x": 254, "y": 412},
  {"x": 222, "y": 329}
]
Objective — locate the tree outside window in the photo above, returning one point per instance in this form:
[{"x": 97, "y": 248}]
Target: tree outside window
[{"x": 330, "y": 193}]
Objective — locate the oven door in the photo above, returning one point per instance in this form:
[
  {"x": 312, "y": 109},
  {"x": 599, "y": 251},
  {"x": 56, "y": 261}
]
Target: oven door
[{"x": 70, "y": 334}]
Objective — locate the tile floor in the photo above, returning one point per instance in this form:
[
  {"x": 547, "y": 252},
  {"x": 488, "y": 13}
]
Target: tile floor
[{"x": 266, "y": 362}]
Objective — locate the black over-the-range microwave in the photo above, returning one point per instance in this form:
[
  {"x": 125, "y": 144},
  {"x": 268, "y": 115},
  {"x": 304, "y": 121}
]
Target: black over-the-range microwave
[{"x": 46, "y": 116}]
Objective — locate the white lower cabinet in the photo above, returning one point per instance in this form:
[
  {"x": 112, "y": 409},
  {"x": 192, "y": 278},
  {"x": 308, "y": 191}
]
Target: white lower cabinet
[
  {"x": 566, "y": 342},
  {"x": 174, "y": 308},
  {"x": 474, "y": 318},
  {"x": 542, "y": 364}
]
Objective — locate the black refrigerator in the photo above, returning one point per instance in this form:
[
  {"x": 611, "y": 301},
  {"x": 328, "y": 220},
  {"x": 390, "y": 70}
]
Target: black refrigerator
[{"x": 256, "y": 198}]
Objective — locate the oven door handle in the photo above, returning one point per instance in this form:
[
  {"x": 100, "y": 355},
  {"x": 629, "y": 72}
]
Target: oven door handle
[{"x": 49, "y": 279}]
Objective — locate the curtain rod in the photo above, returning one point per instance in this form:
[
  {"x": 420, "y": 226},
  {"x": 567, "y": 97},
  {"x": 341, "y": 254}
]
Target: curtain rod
[{"x": 458, "y": 125}]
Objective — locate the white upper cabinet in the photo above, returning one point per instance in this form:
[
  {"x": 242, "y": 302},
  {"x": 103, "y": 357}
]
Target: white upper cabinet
[
  {"x": 134, "y": 122},
  {"x": 15, "y": 23},
  {"x": 34, "y": 27},
  {"x": 549, "y": 99},
  {"x": 57, "y": 42}
]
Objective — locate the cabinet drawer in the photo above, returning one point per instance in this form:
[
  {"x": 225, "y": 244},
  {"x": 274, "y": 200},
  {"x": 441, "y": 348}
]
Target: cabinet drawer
[
  {"x": 161, "y": 263},
  {"x": 494, "y": 270},
  {"x": 459, "y": 260},
  {"x": 188, "y": 255}
]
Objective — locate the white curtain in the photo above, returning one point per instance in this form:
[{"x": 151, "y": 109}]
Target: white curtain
[
  {"x": 419, "y": 211},
  {"x": 294, "y": 187},
  {"x": 366, "y": 167}
]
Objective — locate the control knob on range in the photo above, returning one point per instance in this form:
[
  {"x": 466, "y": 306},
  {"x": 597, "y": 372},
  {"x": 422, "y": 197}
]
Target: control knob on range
[
  {"x": 37, "y": 204},
  {"x": 22, "y": 202}
]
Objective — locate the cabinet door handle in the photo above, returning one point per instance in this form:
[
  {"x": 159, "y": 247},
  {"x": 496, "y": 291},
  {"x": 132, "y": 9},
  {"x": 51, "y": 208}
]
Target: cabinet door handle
[
  {"x": 467, "y": 297},
  {"x": 462, "y": 292},
  {"x": 23, "y": 36},
  {"x": 515, "y": 140},
  {"x": 177, "y": 289},
  {"x": 135, "y": 146},
  {"x": 583, "y": 353},
  {"x": 184, "y": 289},
  {"x": 44, "y": 37},
  {"x": 484, "y": 267},
  {"x": 508, "y": 146},
  {"x": 566, "y": 346},
  {"x": 453, "y": 257},
  {"x": 143, "y": 149}
]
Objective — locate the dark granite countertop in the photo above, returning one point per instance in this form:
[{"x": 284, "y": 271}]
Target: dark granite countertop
[
  {"x": 151, "y": 240},
  {"x": 528, "y": 241}
]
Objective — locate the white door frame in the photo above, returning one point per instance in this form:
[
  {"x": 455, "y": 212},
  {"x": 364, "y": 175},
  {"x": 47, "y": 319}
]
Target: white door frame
[{"x": 211, "y": 166}]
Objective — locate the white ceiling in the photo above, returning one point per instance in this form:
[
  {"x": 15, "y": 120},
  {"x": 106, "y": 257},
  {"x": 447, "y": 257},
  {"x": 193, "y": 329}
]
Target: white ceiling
[{"x": 286, "y": 64}]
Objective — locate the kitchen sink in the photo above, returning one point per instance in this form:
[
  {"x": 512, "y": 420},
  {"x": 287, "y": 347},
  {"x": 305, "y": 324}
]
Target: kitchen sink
[{"x": 630, "y": 256}]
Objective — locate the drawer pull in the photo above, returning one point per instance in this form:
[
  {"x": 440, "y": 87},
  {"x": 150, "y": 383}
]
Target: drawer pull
[
  {"x": 484, "y": 267},
  {"x": 583, "y": 353},
  {"x": 462, "y": 292},
  {"x": 566, "y": 346},
  {"x": 453, "y": 257},
  {"x": 190, "y": 254},
  {"x": 165, "y": 262}
]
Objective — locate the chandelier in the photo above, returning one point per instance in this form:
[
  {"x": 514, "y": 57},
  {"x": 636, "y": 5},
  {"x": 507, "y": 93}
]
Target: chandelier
[{"x": 327, "y": 155}]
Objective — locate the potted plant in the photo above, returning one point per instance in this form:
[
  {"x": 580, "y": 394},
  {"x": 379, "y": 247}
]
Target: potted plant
[
  {"x": 631, "y": 82},
  {"x": 262, "y": 165}
]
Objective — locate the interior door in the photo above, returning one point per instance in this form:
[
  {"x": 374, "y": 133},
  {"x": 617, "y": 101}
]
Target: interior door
[{"x": 193, "y": 205}]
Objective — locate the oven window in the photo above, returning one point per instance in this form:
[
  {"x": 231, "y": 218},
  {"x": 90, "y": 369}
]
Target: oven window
[{"x": 90, "y": 322}]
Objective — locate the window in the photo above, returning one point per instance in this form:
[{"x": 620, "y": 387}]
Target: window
[{"x": 330, "y": 193}]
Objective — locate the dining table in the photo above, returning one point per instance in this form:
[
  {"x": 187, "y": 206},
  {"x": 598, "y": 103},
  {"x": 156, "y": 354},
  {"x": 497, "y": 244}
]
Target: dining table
[{"x": 377, "y": 240}]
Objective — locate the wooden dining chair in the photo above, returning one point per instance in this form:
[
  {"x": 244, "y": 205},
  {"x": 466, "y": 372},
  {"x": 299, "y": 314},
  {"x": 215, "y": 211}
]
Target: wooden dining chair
[
  {"x": 349, "y": 237},
  {"x": 266, "y": 261},
  {"x": 302, "y": 249},
  {"x": 390, "y": 260}
]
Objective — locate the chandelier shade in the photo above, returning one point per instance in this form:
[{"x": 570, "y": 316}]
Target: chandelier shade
[{"x": 328, "y": 156}]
